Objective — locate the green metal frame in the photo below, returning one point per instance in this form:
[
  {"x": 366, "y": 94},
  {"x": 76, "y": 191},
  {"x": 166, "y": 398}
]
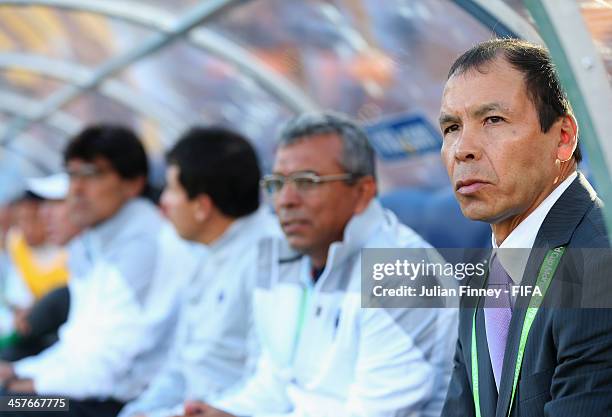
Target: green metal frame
[{"x": 583, "y": 75}]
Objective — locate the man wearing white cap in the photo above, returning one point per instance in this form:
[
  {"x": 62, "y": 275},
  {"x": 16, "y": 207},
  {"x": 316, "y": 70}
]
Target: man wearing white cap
[
  {"x": 38, "y": 267},
  {"x": 55, "y": 209},
  {"x": 35, "y": 327}
]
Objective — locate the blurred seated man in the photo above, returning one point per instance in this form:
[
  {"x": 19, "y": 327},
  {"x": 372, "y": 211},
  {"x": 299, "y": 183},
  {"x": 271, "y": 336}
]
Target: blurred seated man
[
  {"x": 322, "y": 354},
  {"x": 212, "y": 198},
  {"x": 31, "y": 267},
  {"x": 36, "y": 266},
  {"x": 123, "y": 295},
  {"x": 36, "y": 326}
]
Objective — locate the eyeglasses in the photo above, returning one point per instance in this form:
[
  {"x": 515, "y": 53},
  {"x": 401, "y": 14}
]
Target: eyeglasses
[
  {"x": 86, "y": 171},
  {"x": 302, "y": 181}
]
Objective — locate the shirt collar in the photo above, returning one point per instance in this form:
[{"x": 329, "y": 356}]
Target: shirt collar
[
  {"x": 129, "y": 217},
  {"x": 522, "y": 238},
  {"x": 239, "y": 227}
]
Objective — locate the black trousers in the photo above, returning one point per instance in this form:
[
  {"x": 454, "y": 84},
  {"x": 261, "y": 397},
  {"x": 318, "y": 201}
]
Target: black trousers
[{"x": 45, "y": 318}]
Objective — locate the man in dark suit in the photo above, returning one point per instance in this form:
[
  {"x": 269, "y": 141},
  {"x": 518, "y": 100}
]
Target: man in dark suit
[{"x": 510, "y": 148}]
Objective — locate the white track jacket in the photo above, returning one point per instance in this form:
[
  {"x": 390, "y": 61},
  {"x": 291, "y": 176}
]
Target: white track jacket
[{"x": 325, "y": 356}]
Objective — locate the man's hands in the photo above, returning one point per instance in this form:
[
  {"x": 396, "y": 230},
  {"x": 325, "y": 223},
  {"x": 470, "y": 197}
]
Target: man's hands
[
  {"x": 21, "y": 386},
  {"x": 200, "y": 409},
  {"x": 6, "y": 372},
  {"x": 20, "y": 320},
  {"x": 9, "y": 380}
]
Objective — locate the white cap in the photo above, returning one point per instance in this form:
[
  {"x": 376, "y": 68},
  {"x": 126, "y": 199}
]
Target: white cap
[{"x": 53, "y": 187}]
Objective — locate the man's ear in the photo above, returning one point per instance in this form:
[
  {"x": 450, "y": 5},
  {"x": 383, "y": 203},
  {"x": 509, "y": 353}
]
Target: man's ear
[
  {"x": 135, "y": 186},
  {"x": 203, "y": 207},
  {"x": 366, "y": 187},
  {"x": 568, "y": 138}
]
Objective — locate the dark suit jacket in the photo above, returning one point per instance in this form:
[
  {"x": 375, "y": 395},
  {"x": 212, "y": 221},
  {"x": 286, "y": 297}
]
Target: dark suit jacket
[{"x": 567, "y": 367}]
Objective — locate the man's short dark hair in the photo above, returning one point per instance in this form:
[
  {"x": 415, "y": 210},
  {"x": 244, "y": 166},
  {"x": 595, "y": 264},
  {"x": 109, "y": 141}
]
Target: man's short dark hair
[
  {"x": 119, "y": 145},
  {"x": 541, "y": 80},
  {"x": 221, "y": 164}
]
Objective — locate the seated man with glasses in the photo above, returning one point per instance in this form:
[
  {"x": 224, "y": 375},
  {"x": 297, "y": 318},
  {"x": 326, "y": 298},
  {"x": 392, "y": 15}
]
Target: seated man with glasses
[
  {"x": 127, "y": 270},
  {"x": 322, "y": 354}
]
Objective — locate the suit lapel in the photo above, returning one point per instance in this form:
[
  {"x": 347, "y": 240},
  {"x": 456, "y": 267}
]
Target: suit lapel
[
  {"x": 566, "y": 214},
  {"x": 557, "y": 230}
]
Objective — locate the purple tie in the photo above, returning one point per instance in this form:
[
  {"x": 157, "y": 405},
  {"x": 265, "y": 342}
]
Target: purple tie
[{"x": 498, "y": 313}]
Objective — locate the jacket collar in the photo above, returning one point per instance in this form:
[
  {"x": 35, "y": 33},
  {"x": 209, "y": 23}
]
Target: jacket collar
[
  {"x": 238, "y": 230},
  {"x": 564, "y": 216},
  {"x": 134, "y": 216},
  {"x": 357, "y": 233}
]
